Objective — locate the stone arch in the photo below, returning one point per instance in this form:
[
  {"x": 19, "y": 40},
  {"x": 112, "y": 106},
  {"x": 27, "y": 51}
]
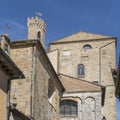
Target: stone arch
[
  {"x": 81, "y": 71},
  {"x": 87, "y": 47},
  {"x": 39, "y": 35},
  {"x": 89, "y": 108},
  {"x": 68, "y": 108}
]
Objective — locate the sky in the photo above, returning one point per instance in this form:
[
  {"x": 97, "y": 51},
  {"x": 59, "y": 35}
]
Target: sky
[{"x": 63, "y": 18}]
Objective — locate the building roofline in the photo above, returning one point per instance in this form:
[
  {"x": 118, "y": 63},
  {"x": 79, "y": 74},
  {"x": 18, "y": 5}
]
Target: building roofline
[
  {"x": 84, "y": 40},
  {"x": 6, "y": 36},
  {"x": 101, "y": 36},
  {"x": 20, "y": 114},
  {"x": 9, "y": 67},
  {"x": 49, "y": 67},
  {"x": 80, "y": 80},
  {"x": 103, "y": 88},
  {"x": 117, "y": 90}
]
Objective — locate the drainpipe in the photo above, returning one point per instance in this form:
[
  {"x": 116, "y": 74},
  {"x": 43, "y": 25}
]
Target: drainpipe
[
  {"x": 101, "y": 59},
  {"x": 8, "y": 99},
  {"x": 8, "y": 105},
  {"x": 32, "y": 80}
]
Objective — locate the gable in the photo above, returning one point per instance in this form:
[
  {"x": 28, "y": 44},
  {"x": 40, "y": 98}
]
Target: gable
[
  {"x": 81, "y": 36},
  {"x": 72, "y": 84}
]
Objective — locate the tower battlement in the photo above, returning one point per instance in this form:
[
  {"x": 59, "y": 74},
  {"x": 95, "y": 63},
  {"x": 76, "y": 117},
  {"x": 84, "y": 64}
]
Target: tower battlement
[
  {"x": 36, "y": 28},
  {"x": 36, "y": 22}
]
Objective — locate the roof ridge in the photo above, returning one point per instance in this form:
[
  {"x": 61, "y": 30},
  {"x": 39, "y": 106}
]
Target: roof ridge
[{"x": 81, "y": 36}]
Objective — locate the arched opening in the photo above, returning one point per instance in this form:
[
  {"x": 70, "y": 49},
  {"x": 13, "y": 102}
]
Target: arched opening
[
  {"x": 89, "y": 106},
  {"x": 81, "y": 71},
  {"x": 39, "y": 35},
  {"x": 68, "y": 108},
  {"x": 87, "y": 47}
]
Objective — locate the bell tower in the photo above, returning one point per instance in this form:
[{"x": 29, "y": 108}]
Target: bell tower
[{"x": 36, "y": 29}]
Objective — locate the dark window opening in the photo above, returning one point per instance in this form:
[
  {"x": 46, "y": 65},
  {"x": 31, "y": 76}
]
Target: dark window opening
[
  {"x": 39, "y": 35},
  {"x": 68, "y": 108},
  {"x": 6, "y": 49},
  {"x": 81, "y": 71},
  {"x": 87, "y": 47}
]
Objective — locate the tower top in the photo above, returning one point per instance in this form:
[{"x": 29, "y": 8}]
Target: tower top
[
  {"x": 36, "y": 22},
  {"x": 36, "y": 28}
]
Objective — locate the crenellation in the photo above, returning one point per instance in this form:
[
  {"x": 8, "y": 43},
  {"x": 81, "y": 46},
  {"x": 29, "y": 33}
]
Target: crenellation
[
  {"x": 37, "y": 25},
  {"x": 78, "y": 76}
]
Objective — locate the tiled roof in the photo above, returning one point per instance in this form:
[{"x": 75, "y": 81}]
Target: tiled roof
[
  {"x": 72, "y": 84},
  {"x": 81, "y": 36}
]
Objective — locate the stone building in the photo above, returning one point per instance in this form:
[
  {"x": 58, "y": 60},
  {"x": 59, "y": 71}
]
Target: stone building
[
  {"x": 84, "y": 62},
  {"x": 73, "y": 80},
  {"x": 37, "y": 95},
  {"x": 8, "y": 72}
]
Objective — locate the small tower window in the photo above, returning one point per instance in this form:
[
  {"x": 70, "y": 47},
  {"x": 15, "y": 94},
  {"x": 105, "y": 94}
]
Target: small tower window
[
  {"x": 39, "y": 35},
  {"x": 87, "y": 47},
  {"x": 81, "y": 71}
]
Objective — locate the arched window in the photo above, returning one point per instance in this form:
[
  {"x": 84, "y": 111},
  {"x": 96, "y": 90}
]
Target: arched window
[
  {"x": 81, "y": 71},
  {"x": 68, "y": 108},
  {"x": 39, "y": 35},
  {"x": 86, "y": 47}
]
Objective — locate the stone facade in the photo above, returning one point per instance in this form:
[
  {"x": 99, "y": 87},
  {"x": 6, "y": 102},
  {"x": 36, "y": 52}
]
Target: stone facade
[
  {"x": 37, "y": 96},
  {"x": 89, "y": 105},
  {"x": 39, "y": 27},
  {"x": 34, "y": 96},
  {"x": 21, "y": 90},
  {"x": 8, "y": 72},
  {"x": 85, "y": 94},
  {"x": 31, "y": 93},
  {"x": 98, "y": 62}
]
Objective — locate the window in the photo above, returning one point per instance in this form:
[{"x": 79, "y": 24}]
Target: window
[
  {"x": 68, "y": 108},
  {"x": 81, "y": 71},
  {"x": 86, "y": 47},
  {"x": 39, "y": 35},
  {"x": 6, "y": 49}
]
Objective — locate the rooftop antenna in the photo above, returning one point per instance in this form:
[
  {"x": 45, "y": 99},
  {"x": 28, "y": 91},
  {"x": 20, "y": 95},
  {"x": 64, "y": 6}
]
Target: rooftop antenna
[
  {"x": 38, "y": 14},
  {"x": 7, "y": 28}
]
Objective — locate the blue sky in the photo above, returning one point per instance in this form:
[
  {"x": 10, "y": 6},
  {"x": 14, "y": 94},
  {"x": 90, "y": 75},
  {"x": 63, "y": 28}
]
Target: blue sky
[{"x": 63, "y": 17}]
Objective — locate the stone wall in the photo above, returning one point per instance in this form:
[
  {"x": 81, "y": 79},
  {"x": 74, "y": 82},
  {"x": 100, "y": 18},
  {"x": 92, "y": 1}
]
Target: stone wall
[
  {"x": 73, "y": 54},
  {"x": 53, "y": 56},
  {"x": 98, "y": 63},
  {"x": 21, "y": 89},
  {"x": 36, "y": 29},
  {"x": 88, "y": 105},
  {"x": 31, "y": 93},
  {"x": 46, "y": 94},
  {"x": 40, "y": 102}
]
